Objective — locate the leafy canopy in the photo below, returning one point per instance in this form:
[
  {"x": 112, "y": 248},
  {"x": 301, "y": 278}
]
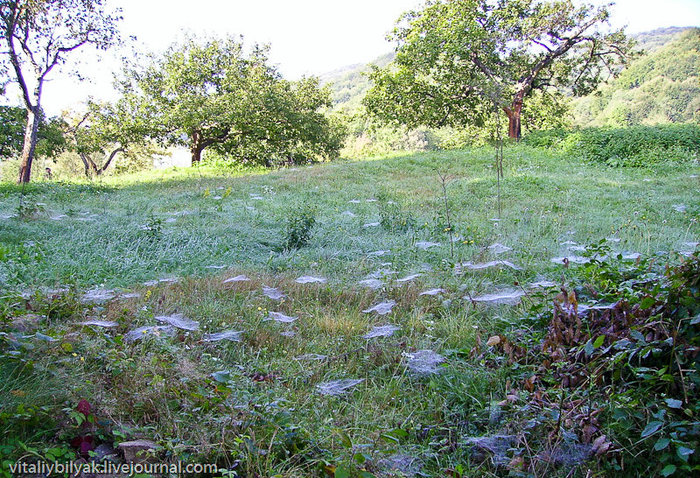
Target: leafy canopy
[
  {"x": 663, "y": 86},
  {"x": 212, "y": 94},
  {"x": 37, "y": 37},
  {"x": 104, "y": 131},
  {"x": 50, "y": 139},
  {"x": 458, "y": 60}
]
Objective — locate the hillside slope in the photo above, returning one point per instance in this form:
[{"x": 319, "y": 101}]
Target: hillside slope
[
  {"x": 349, "y": 85},
  {"x": 662, "y": 86}
]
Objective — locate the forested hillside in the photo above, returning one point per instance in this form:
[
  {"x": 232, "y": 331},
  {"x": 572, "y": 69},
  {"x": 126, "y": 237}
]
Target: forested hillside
[
  {"x": 349, "y": 85},
  {"x": 660, "y": 86}
]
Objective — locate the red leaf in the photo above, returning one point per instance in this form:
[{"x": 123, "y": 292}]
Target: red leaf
[
  {"x": 84, "y": 407},
  {"x": 84, "y": 444}
]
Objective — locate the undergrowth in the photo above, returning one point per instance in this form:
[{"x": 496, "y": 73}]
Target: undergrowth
[
  {"x": 631, "y": 147},
  {"x": 613, "y": 381},
  {"x": 607, "y": 373}
]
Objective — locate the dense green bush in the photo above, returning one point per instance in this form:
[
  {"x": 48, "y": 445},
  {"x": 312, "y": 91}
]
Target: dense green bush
[
  {"x": 300, "y": 221},
  {"x": 546, "y": 138},
  {"x": 634, "y": 146}
]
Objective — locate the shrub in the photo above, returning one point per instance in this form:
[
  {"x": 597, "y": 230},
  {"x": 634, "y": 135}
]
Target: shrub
[
  {"x": 546, "y": 138},
  {"x": 393, "y": 216},
  {"x": 634, "y": 146},
  {"x": 300, "y": 222}
]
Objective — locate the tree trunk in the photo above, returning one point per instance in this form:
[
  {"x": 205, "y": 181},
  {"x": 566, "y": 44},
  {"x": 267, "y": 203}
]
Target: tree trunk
[
  {"x": 196, "y": 148},
  {"x": 514, "y": 120},
  {"x": 90, "y": 166},
  {"x": 86, "y": 163},
  {"x": 30, "y": 136}
]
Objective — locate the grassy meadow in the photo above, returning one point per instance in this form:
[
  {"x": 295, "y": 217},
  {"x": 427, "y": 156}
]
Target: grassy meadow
[{"x": 253, "y": 406}]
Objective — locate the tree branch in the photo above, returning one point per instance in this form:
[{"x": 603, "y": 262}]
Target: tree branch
[
  {"x": 14, "y": 61},
  {"x": 118, "y": 150}
]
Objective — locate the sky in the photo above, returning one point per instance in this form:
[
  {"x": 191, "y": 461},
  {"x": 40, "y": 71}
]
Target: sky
[{"x": 306, "y": 36}]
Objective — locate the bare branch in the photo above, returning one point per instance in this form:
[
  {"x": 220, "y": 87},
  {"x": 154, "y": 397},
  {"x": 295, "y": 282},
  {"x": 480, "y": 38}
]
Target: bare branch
[{"x": 543, "y": 45}]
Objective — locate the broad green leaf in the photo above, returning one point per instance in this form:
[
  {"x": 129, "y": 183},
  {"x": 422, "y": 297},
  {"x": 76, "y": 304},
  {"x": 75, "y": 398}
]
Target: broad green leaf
[
  {"x": 673, "y": 403},
  {"x": 684, "y": 452},
  {"x": 599, "y": 341},
  {"x": 668, "y": 470},
  {"x": 342, "y": 472},
  {"x": 652, "y": 427},
  {"x": 661, "y": 444}
]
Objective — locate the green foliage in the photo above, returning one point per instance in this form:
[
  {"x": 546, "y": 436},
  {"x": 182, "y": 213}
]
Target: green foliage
[
  {"x": 16, "y": 260},
  {"x": 394, "y": 217},
  {"x": 37, "y": 38},
  {"x": 212, "y": 94},
  {"x": 457, "y": 61},
  {"x": 634, "y": 146},
  {"x": 105, "y": 131},
  {"x": 660, "y": 87},
  {"x": 27, "y": 210},
  {"x": 349, "y": 85},
  {"x": 653, "y": 40},
  {"x": 627, "y": 371},
  {"x": 548, "y": 138},
  {"x": 253, "y": 407},
  {"x": 300, "y": 222},
  {"x": 369, "y": 138},
  {"x": 13, "y": 121},
  {"x": 657, "y": 373},
  {"x": 153, "y": 229}
]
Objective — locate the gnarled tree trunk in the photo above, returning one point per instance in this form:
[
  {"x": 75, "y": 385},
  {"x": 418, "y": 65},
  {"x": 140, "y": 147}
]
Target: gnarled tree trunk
[
  {"x": 514, "y": 112},
  {"x": 92, "y": 168},
  {"x": 198, "y": 142}
]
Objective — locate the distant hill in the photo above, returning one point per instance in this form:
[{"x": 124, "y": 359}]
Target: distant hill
[
  {"x": 661, "y": 86},
  {"x": 349, "y": 84},
  {"x": 654, "y": 39}
]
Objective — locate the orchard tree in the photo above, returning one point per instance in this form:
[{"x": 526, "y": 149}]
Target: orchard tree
[
  {"x": 457, "y": 60},
  {"x": 289, "y": 125},
  {"x": 105, "y": 131},
  {"x": 37, "y": 37},
  {"x": 212, "y": 94}
]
